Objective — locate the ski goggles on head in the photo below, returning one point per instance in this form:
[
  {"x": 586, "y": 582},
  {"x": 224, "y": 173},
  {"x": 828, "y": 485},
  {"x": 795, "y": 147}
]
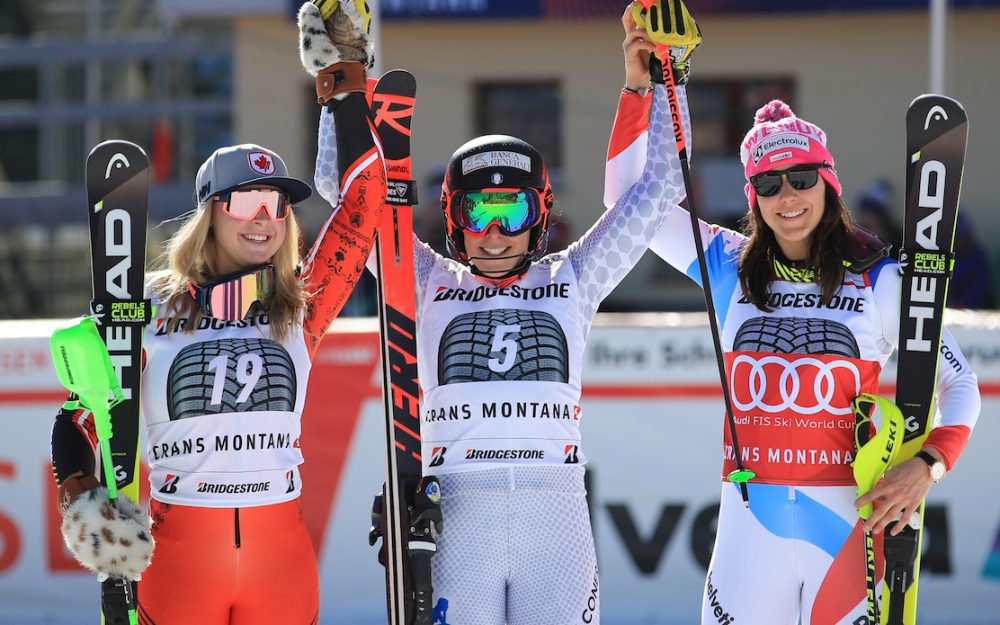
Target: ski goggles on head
[
  {"x": 230, "y": 297},
  {"x": 512, "y": 210},
  {"x": 245, "y": 204},
  {"x": 801, "y": 177}
]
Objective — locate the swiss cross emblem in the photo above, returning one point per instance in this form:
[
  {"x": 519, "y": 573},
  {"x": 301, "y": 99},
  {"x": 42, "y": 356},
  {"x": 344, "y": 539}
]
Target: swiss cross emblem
[{"x": 261, "y": 162}]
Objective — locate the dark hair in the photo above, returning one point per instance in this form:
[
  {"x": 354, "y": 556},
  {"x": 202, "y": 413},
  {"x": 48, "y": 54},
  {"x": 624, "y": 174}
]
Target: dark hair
[{"x": 828, "y": 247}]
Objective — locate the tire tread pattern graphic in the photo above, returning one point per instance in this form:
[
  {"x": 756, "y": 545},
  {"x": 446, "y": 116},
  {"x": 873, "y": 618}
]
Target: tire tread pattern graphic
[
  {"x": 787, "y": 335},
  {"x": 190, "y": 381},
  {"x": 464, "y": 352}
]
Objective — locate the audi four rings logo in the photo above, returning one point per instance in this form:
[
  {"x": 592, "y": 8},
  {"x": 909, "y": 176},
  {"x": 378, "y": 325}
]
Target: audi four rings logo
[{"x": 762, "y": 384}]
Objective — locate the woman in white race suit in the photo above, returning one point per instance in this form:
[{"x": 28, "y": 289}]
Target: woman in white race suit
[
  {"x": 501, "y": 332},
  {"x": 803, "y": 294}
]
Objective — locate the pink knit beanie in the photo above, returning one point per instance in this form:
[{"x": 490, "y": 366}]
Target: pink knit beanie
[{"x": 779, "y": 140}]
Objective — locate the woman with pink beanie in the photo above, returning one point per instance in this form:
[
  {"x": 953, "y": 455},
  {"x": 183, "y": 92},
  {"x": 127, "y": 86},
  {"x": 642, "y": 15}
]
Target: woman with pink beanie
[{"x": 808, "y": 311}]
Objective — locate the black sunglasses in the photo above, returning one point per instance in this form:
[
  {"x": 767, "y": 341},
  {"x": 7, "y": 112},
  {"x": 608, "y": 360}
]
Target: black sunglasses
[{"x": 801, "y": 177}]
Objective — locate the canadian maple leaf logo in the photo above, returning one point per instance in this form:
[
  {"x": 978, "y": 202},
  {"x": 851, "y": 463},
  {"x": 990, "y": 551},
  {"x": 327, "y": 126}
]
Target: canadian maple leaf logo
[{"x": 261, "y": 163}]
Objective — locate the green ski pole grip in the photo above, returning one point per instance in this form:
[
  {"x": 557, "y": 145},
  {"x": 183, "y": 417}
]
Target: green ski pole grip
[
  {"x": 84, "y": 367},
  {"x": 741, "y": 476}
]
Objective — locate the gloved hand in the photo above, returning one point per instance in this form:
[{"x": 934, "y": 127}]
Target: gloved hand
[
  {"x": 339, "y": 32},
  {"x": 109, "y": 539},
  {"x": 673, "y": 34},
  {"x": 335, "y": 47}
]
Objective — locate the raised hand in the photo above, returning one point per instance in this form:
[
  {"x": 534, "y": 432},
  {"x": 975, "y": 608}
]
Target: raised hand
[
  {"x": 674, "y": 32},
  {"x": 638, "y": 48},
  {"x": 335, "y": 47}
]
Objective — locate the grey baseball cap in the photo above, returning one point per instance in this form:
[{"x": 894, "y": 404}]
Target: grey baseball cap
[{"x": 239, "y": 165}]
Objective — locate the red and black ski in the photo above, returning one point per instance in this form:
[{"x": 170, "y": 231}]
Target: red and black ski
[
  {"x": 117, "y": 175},
  {"x": 410, "y": 504}
]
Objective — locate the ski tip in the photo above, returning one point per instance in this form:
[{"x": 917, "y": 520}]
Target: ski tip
[
  {"x": 110, "y": 165},
  {"x": 118, "y": 145},
  {"x": 400, "y": 76},
  {"x": 935, "y": 97},
  {"x": 930, "y": 116},
  {"x": 941, "y": 106}
]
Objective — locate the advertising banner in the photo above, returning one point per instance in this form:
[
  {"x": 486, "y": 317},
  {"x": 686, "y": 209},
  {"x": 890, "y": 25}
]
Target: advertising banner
[{"x": 652, "y": 426}]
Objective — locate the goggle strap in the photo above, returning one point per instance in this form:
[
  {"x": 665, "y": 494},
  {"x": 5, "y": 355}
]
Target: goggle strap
[{"x": 231, "y": 297}]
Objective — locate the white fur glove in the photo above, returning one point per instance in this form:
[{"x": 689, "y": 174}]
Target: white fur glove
[
  {"x": 112, "y": 540},
  {"x": 342, "y": 37}
]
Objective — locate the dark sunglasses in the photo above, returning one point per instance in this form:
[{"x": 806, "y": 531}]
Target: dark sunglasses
[{"x": 801, "y": 177}]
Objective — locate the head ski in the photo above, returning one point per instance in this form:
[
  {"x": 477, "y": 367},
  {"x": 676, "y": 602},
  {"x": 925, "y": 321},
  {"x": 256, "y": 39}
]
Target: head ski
[
  {"x": 117, "y": 175},
  {"x": 936, "y": 136}
]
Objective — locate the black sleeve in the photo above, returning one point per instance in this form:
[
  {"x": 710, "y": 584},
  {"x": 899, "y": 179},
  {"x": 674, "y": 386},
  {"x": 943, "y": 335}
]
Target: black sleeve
[
  {"x": 72, "y": 450},
  {"x": 354, "y": 136}
]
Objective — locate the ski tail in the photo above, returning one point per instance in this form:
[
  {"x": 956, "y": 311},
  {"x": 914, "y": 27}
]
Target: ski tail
[
  {"x": 410, "y": 503},
  {"x": 936, "y": 138},
  {"x": 117, "y": 175}
]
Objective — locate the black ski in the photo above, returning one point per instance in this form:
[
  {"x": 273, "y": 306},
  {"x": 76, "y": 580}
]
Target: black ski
[
  {"x": 117, "y": 198},
  {"x": 936, "y": 135},
  {"x": 410, "y": 504}
]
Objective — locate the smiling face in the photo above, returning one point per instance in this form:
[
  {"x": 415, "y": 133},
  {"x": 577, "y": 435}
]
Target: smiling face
[
  {"x": 793, "y": 217},
  {"x": 242, "y": 244},
  {"x": 494, "y": 253}
]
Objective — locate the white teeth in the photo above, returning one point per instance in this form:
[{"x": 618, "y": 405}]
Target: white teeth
[
  {"x": 258, "y": 238},
  {"x": 494, "y": 251},
  {"x": 793, "y": 213}
]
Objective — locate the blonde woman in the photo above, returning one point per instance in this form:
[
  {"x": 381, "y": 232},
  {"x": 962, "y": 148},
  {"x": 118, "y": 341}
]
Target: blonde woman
[{"x": 239, "y": 317}]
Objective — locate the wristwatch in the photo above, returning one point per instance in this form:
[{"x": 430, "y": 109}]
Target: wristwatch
[{"x": 937, "y": 467}]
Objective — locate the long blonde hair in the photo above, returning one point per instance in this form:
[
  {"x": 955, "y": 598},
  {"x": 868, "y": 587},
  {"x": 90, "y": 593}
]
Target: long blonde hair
[{"x": 190, "y": 257}]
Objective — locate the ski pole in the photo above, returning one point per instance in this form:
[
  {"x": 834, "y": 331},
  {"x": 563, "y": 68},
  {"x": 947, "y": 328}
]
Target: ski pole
[
  {"x": 653, "y": 9},
  {"x": 84, "y": 367}
]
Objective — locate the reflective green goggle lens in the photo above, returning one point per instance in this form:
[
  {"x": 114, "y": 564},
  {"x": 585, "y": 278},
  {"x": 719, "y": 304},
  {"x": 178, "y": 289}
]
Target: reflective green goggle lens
[{"x": 512, "y": 211}]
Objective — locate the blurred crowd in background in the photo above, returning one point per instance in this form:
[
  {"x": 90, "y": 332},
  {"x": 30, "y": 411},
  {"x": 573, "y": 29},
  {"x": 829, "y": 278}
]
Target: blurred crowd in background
[{"x": 165, "y": 75}]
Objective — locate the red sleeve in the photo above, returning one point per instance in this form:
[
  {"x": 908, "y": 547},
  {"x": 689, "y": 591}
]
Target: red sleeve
[
  {"x": 949, "y": 440},
  {"x": 627, "y": 147},
  {"x": 631, "y": 121}
]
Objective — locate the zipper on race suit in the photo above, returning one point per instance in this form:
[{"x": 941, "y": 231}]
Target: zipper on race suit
[{"x": 236, "y": 527}]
